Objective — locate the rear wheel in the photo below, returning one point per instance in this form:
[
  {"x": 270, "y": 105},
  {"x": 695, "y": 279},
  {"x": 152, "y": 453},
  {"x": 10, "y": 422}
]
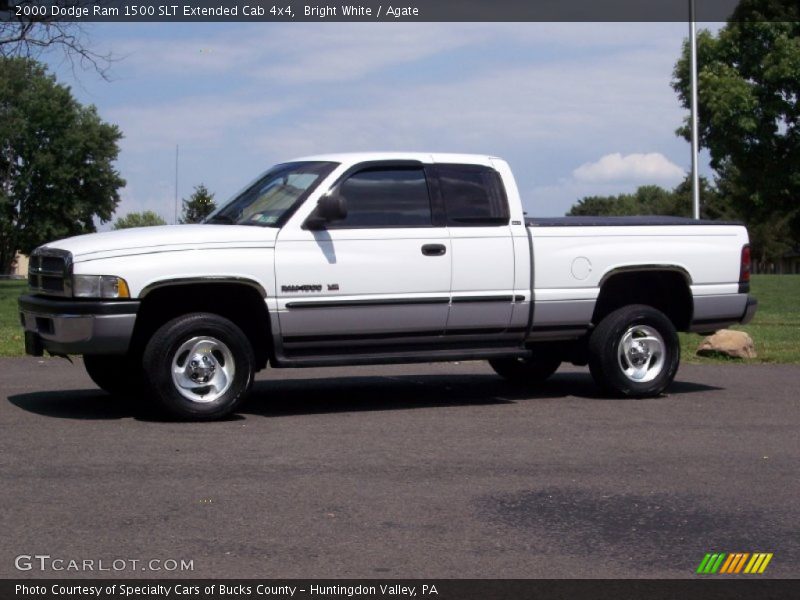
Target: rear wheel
[
  {"x": 199, "y": 366},
  {"x": 525, "y": 370},
  {"x": 634, "y": 352},
  {"x": 119, "y": 375}
]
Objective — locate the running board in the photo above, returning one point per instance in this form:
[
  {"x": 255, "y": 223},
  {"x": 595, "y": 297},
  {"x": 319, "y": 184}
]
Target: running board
[{"x": 390, "y": 358}]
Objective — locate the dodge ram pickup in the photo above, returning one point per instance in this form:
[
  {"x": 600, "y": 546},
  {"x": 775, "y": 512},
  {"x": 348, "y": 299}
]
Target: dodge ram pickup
[{"x": 373, "y": 258}]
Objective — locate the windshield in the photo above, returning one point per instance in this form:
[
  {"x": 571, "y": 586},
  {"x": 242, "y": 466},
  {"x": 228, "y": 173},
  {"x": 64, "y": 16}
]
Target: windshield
[{"x": 274, "y": 196}]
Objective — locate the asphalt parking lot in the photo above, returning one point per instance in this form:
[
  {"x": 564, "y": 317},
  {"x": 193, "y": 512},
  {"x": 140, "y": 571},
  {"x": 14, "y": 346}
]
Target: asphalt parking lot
[{"x": 440, "y": 470}]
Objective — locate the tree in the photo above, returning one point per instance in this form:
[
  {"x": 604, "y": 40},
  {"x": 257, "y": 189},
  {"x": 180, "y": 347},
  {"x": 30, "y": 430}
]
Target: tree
[
  {"x": 31, "y": 36},
  {"x": 646, "y": 200},
  {"x": 749, "y": 117},
  {"x": 714, "y": 204},
  {"x": 57, "y": 158},
  {"x": 654, "y": 200},
  {"x": 139, "y": 219},
  {"x": 199, "y": 205},
  {"x": 770, "y": 235}
]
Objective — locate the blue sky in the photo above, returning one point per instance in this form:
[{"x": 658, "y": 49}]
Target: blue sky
[{"x": 576, "y": 108}]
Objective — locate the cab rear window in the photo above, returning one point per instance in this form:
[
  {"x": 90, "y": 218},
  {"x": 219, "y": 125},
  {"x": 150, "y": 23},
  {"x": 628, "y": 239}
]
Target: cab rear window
[{"x": 473, "y": 195}]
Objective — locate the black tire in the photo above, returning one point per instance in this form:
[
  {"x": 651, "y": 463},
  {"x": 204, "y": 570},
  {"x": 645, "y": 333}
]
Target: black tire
[
  {"x": 608, "y": 361},
  {"x": 182, "y": 339},
  {"x": 525, "y": 371},
  {"x": 119, "y": 375}
]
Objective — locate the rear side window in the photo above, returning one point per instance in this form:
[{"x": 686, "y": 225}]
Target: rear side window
[
  {"x": 473, "y": 196},
  {"x": 386, "y": 197}
]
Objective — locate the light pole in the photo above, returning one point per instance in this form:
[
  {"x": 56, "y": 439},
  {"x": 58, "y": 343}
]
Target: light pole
[
  {"x": 693, "y": 67},
  {"x": 176, "y": 184}
]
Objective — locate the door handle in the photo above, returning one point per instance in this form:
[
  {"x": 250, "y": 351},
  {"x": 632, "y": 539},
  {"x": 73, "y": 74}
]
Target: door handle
[{"x": 434, "y": 249}]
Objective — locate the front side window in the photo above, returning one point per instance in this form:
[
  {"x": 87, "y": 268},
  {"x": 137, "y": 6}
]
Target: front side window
[
  {"x": 473, "y": 195},
  {"x": 386, "y": 197},
  {"x": 272, "y": 198}
]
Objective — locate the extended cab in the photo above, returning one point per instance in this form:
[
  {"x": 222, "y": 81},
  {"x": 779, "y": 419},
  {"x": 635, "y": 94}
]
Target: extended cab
[{"x": 382, "y": 258}]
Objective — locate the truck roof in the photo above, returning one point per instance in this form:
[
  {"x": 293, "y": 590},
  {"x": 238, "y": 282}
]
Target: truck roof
[{"x": 424, "y": 157}]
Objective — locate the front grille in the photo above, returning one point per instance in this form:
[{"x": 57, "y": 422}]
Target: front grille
[
  {"x": 51, "y": 284},
  {"x": 49, "y": 272},
  {"x": 52, "y": 263}
]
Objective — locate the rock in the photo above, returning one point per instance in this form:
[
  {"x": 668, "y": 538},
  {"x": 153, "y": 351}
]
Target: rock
[{"x": 736, "y": 344}]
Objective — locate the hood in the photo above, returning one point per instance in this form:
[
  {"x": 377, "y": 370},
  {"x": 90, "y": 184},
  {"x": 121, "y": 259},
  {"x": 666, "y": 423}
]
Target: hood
[{"x": 164, "y": 238}]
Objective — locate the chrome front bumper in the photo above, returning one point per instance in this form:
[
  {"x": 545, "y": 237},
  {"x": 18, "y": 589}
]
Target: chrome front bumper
[{"x": 63, "y": 326}]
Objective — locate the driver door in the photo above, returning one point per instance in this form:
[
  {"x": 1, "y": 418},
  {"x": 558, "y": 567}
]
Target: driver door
[{"x": 380, "y": 276}]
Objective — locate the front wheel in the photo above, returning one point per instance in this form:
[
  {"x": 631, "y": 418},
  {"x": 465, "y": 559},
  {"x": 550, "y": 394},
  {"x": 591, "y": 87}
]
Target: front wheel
[
  {"x": 199, "y": 367},
  {"x": 634, "y": 352},
  {"x": 525, "y": 371}
]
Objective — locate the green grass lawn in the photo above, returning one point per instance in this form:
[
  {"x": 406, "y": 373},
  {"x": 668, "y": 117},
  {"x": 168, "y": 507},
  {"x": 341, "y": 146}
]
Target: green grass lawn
[
  {"x": 775, "y": 329},
  {"x": 11, "y": 340}
]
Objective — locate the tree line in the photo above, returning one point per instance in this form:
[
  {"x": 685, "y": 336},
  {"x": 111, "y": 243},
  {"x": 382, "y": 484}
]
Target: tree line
[{"x": 195, "y": 209}]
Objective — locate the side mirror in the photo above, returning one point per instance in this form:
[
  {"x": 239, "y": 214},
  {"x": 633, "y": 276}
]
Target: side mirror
[{"x": 331, "y": 207}]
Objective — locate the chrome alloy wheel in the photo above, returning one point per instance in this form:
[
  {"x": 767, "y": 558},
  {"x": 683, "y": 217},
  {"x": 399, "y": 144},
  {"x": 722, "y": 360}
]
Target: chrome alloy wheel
[
  {"x": 203, "y": 369},
  {"x": 641, "y": 353}
]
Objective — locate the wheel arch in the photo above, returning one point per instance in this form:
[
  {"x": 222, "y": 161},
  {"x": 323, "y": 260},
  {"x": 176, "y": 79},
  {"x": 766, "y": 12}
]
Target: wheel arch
[
  {"x": 664, "y": 287},
  {"x": 164, "y": 283},
  {"x": 240, "y": 300}
]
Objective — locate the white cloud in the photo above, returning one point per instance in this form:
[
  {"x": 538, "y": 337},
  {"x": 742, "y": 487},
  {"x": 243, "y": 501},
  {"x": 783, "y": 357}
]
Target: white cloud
[
  {"x": 199, "y": 121},
  {"x": 551, "y": 95},
  {"x": 303, "y": 53},
  {"x": 348, "y": 52},
  {"x": 307, "y": 53},
  {"x": 511, "y": 110},
  {"x": 653, "y": 167},
  {"x": 610, "y": 175}
]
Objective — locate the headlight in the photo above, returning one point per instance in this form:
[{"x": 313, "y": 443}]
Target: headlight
[{"x": 99, "y": 286}]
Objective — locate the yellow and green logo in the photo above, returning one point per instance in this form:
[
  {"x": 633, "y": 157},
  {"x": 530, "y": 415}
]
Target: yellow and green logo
[{"x": 734, "y": 562}]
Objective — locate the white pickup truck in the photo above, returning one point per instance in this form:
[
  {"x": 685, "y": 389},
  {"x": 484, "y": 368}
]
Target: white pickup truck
[{"x": 352, "y": 259}]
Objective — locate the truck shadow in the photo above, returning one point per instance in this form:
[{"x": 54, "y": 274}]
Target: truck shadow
[
  {"x": 332, "y": 395},
  {"x": 73, "y": 404},
  {"x": 287, "y": 397}
]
